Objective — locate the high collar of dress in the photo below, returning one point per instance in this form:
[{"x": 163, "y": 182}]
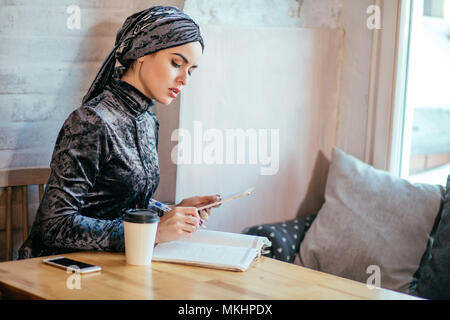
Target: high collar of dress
[{"x": 136, "y": 101}]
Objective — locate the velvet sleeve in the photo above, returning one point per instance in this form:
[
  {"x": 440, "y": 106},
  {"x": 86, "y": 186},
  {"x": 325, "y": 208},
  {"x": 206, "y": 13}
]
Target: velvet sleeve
[{"x": 80, "y": 152}]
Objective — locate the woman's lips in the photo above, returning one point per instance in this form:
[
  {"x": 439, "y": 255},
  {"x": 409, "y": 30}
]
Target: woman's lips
[{"x": 173, "y": 92}]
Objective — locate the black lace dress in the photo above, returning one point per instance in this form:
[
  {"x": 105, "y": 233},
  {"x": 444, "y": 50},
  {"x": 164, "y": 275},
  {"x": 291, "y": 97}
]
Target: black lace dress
[{"x": 105, "y": 161}]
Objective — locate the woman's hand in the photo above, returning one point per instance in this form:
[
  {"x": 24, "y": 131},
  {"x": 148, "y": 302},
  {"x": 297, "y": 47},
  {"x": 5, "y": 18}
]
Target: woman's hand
[
  {"x": 184, "y": 218},
  {"x": 200, "y": 201},
  {"x": 180, "y": 222}
]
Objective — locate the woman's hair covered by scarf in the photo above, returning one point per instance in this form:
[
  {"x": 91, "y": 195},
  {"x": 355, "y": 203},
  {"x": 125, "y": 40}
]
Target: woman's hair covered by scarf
[{"x": 143, "y": 33}]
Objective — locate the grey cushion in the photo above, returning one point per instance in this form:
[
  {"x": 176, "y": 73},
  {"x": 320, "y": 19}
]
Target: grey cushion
[
  {"x": 370, "y": 217},
  {"x": 434, "y": 282}
]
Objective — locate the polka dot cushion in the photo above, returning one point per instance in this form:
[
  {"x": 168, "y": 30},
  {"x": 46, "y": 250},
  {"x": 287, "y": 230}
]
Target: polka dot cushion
[{"x": 285, "y": 236}]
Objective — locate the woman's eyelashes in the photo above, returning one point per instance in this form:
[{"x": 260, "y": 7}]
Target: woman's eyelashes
[
  {"x": 179, "y": 66},
  {"x": 175, "y": 64}
]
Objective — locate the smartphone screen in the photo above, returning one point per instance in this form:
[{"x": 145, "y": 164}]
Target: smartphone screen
[
  {"x": 65, "y": 263},
  {"x": 69, "y": 262}
]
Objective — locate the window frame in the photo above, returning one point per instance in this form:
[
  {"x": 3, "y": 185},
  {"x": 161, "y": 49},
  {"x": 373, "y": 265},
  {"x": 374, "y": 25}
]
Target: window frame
[{"x": 387, "y": 91}]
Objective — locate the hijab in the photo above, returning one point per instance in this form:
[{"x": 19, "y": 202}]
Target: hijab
[{"x": 143, "y": 33}]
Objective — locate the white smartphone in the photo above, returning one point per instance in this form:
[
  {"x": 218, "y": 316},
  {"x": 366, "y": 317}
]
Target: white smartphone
[
  {"x": 235, "y": 196},
  {"x": 69, "y": 264}
]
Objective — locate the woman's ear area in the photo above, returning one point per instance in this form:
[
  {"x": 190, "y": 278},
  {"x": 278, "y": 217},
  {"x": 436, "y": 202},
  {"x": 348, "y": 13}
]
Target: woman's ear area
[
  {"x": 136, "y": 63},
  {"x": 129, "y": 71}
]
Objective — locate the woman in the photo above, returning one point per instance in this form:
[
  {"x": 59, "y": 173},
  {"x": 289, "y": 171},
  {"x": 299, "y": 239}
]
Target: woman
[{"x": 105, "y": 159}]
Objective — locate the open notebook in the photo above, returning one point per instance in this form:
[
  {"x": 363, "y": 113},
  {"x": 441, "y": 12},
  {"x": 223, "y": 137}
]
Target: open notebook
[{"x": 213, "y": 249}]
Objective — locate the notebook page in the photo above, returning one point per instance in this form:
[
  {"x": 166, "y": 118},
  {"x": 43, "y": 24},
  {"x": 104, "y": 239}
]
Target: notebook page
[
  {"x": 226, "y": 257},
  {"x": 227, "y": 239}
]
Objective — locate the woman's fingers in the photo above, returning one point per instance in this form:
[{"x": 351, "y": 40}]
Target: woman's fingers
[
  {"x": 205, "y": 200},
  {"x": 180, "y": 222},
  {"x": 192, "y": 220},
  {"x": 203, "y": 215},
  {"x": 187, "y": 211},
  {"x": 200, "y": 201},
  {"x": 219, "y": 198},
  {"x": 213, "y": 198},
  {"x": 185, "y": 228},
  {"x": 184, "y": 233},
  {"x": 189, "y": 218}
]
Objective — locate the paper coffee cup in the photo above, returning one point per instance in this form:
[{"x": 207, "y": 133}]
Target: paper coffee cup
[{"x": 140, "y": 227}]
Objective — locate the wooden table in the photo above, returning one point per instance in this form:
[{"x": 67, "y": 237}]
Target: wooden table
[{"x": 265, "y": 279}]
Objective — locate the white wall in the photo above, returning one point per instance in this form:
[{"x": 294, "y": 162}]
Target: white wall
[
  {"x": 288, "y": 82},
  {"x": 298, "y": 188}
]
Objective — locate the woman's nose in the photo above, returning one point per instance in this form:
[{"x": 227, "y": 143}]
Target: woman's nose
[{"x": 183, "y": 78}]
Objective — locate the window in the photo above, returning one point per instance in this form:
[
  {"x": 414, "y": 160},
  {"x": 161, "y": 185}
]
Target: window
[{"x": 425, "y": 132}]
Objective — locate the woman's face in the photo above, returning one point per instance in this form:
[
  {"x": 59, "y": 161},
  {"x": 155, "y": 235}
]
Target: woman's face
[{"x": 163, "y": 74}]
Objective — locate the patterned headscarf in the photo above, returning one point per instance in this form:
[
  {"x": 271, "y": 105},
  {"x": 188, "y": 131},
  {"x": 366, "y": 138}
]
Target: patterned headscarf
[{"x": 142, "y": 33}]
